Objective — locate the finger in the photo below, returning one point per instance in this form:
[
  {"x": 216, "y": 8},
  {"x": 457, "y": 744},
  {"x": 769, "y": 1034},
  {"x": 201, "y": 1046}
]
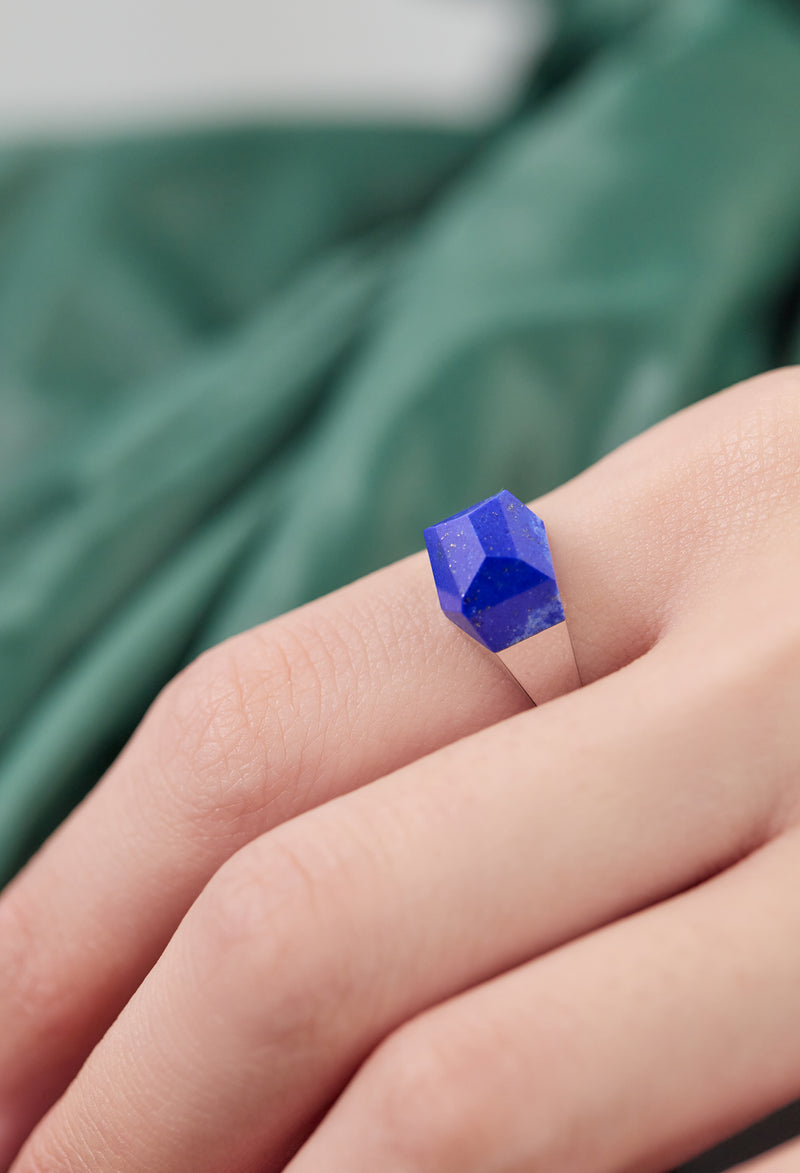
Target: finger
[
  {"x": 331, "y": 697},
  {"x": 320, "y": 938},
  {"x": 637, "y": 1047}
]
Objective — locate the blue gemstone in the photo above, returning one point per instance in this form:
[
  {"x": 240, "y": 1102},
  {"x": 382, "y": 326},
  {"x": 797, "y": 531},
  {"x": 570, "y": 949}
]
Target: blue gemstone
[{"x": 494, "y": 572}]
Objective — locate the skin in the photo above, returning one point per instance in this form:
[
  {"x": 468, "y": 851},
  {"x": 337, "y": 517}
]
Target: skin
[{"x": 346, "y": 902}]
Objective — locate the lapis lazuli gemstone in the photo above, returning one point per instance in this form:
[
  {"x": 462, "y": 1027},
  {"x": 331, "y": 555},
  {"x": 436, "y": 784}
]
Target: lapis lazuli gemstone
[{"x": 494, "y": 572}]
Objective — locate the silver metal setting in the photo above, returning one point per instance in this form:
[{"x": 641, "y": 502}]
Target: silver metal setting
[{"x": 544, "y": 666}]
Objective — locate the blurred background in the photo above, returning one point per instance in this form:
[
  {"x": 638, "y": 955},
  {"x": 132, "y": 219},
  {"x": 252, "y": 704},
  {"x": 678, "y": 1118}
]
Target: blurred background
[{"x": 280, "y": 284}]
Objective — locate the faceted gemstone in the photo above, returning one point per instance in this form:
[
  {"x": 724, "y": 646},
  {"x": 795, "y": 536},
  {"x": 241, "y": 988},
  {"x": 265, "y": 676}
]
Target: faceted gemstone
[{"x": 494, "y": 572}]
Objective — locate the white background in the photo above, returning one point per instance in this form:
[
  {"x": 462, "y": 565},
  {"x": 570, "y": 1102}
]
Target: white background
[{"x": 74, "y": 64}]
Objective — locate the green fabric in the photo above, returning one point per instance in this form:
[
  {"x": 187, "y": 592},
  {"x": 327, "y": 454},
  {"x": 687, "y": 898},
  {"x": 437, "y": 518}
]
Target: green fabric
[
  {"x": 242, "y": 367},
  {"x": 239, "y": 368}
]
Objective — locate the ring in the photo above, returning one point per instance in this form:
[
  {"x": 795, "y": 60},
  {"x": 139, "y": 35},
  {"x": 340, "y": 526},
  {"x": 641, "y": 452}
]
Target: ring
[{"x": 494, "y": 574}]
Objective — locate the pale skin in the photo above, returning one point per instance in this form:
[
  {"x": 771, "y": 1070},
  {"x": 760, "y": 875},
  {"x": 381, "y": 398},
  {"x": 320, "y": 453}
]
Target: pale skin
[{"x": 347, "y": 903}]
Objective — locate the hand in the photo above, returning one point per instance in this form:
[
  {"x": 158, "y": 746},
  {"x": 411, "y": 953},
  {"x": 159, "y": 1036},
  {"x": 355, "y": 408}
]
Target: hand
[{"x": 346, "y": 902}]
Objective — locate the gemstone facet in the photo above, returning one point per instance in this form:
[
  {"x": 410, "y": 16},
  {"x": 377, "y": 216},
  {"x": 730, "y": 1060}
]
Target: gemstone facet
[{"x": 494, "y": 572}]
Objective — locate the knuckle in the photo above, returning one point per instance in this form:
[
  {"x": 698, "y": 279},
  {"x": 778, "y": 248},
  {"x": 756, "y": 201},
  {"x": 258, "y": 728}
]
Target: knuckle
[
  {"x": 424, "y": 1094},
  {"x": 728, "y": 488},
  {"x": 442, "y": 1089},
  {"x": 270, "y": 883},
  {"x": 206, "y": 719},
  {"x": 269, "y": 930},
  {"x": 418, "y": 1106},
  {"x": 235, "y": 730},
  {"x": 744, "y": 496}
]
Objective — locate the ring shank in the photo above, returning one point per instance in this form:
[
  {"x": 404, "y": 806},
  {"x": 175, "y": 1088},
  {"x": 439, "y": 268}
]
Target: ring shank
[{"x": 544, "y": 665}]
